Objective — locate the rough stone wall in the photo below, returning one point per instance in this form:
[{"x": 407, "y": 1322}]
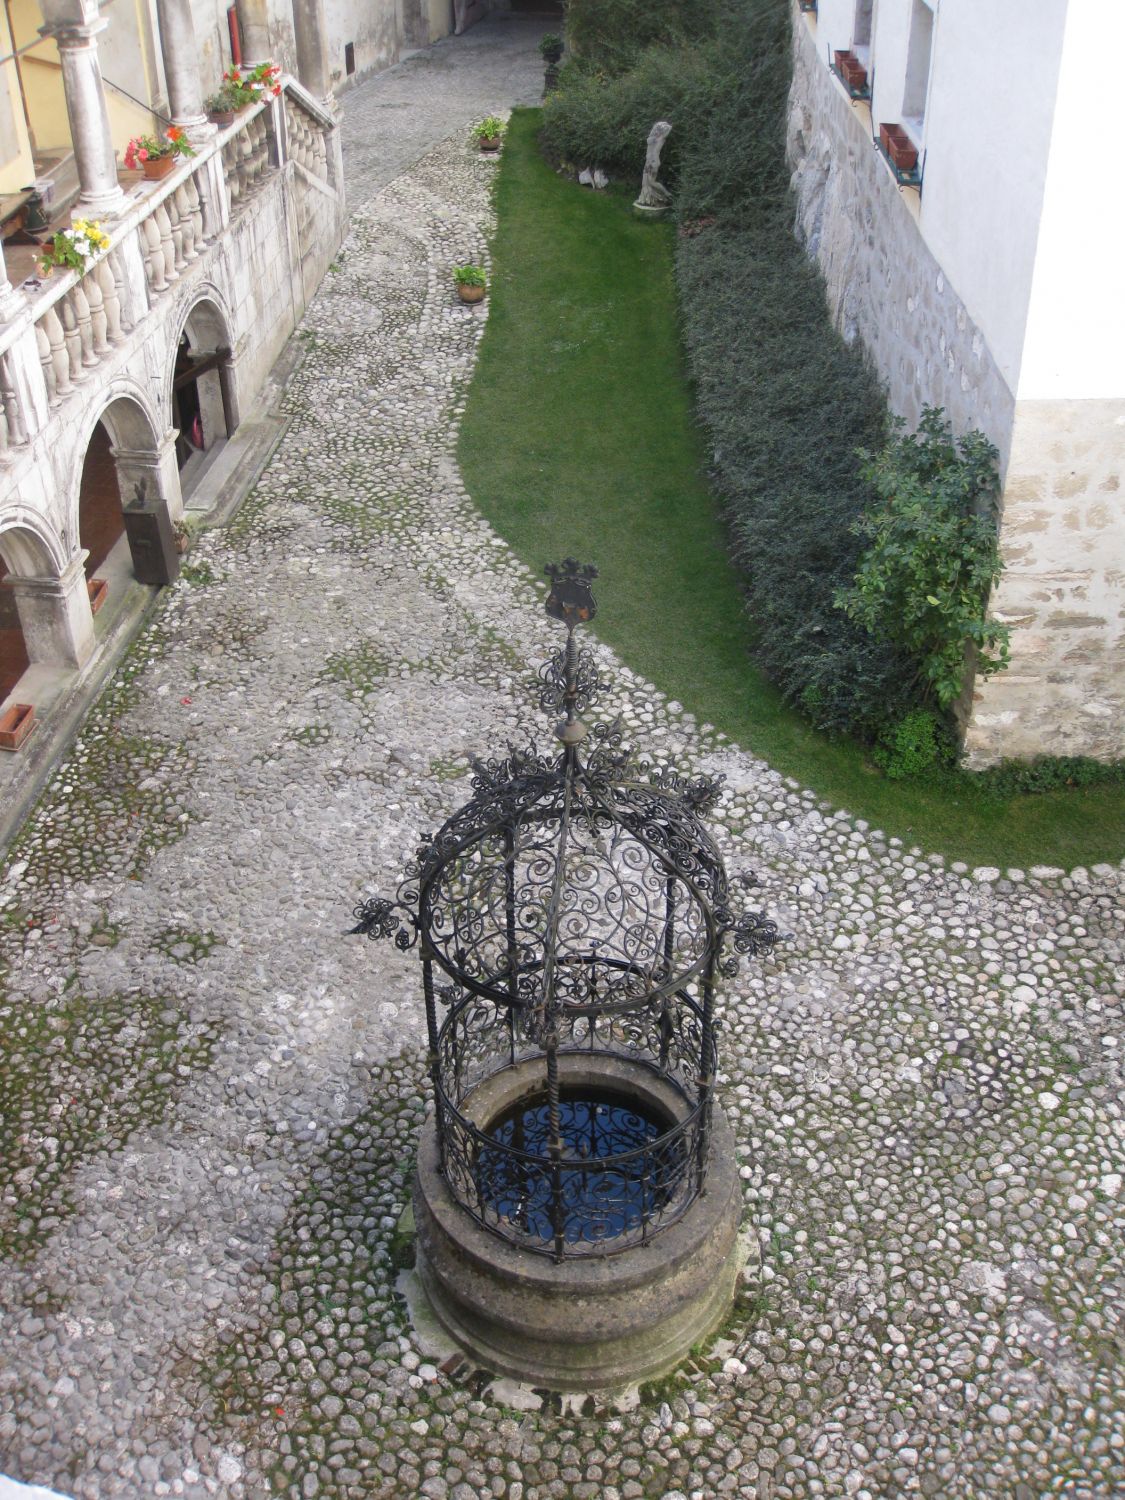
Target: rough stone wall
[
  {"x": 1062, "y": 591},
  {"x": 883, "y": 284},
  {"x": 1063, "y": 528}
]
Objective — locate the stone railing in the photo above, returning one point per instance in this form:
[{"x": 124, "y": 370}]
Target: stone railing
[
  {"x": 246, "y": 157},
  {"x": 173, "y": 235},
  {"x": 71, "y": 322},
  {"x": 305, "y": 135},
  {"x": 80, "y": 326}
]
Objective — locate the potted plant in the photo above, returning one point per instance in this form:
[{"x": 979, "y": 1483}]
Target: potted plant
[
  {"x": 225, "y": 103},
  {"x": 901, "y": 150},
  {"x": 242, "y": 88},
  {"x": 471, "y": 282},
  {"x": 182, "y": 536},
  {"x": 16, "y": 723},
  {"x": 488, "y": 133},
  {"x": 76, "y": 247},
  {"x": 154, "y": 157},
  {"x": 551, "y": 48}
]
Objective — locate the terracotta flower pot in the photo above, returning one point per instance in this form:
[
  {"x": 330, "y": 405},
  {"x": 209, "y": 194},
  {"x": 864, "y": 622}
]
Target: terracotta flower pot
[
  {"x": 851, "y": 70},
  {"x": 98, "y": 590},
  {"x": 223, "y": 117},
  {"x": 899, "y": 147},
  {"x": 470, "y": 293},
  {"x": 158, "y": 166},
  {"x": 16, "y": 723},
  {"x": 490, "y": 143}
]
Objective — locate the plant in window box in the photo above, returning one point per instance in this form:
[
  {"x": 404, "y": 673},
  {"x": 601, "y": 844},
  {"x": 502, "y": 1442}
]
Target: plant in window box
[
  {"x": 489, "y": 132},
  {"x": 75, "y": 248},
  {"x": 900, "y": 149},
  {"x": 157, "y": 157},
  {"x": 471, "y": 282}
]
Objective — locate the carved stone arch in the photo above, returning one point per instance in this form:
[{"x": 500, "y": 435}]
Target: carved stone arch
[
  {"x": 29, "y": 546},
  {"x": 127, "y": 457},
  {"x": 44, "y": 609},
  {"x": 202, "y": 390}
]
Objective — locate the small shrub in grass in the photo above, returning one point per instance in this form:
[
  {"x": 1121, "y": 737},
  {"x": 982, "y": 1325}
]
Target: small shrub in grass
[
  {"x": 1049, "y": 773},
  {"x": 917, "y": 743}
]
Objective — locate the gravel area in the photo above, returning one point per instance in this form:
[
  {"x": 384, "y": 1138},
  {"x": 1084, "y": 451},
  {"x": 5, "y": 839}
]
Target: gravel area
[{"x": 209, "y": 1097}]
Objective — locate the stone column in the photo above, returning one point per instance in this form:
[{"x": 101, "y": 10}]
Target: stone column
[
  {"x": 311, "y": 36},
  {"x": 101, "y": 196},
  {"x": 253, "y": 22},
  {"x": 55, "y": 617},
  {"x": 181, "y": 67},
  {"x": 11, "y": 301},
  {"x": 157, "y": 470}
]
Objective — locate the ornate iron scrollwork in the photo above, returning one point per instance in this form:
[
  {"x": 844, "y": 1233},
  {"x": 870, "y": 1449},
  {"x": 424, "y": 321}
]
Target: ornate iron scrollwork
[{"x": 576, "y": 906}]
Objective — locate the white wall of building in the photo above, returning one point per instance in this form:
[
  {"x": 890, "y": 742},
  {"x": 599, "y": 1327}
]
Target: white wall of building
[
  {"x": 986, "y": 135},
  {"x": 1075, "y": 342}
]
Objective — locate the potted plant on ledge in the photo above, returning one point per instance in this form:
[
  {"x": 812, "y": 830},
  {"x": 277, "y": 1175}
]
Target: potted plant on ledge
[
  {"x": 471, "y": 282},
  {"x": 156, "y": 158},
  {"x": 74, "y": 248},
  {"x": 489, "y": 133}
]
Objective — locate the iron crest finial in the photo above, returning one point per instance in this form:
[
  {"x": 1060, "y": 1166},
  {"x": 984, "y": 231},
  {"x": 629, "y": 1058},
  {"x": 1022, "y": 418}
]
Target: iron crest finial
[{"x": 571, "y": 598}]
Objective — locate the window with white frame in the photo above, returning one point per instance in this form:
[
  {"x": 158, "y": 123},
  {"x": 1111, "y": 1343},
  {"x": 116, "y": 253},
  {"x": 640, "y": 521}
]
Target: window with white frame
[{"x": 919, "y": 52}]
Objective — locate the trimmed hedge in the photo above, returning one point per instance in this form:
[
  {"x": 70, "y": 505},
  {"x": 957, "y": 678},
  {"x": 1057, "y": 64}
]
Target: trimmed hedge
[
  {"x": 609, "y": 35},
  {"x": 790, "y": 410}
]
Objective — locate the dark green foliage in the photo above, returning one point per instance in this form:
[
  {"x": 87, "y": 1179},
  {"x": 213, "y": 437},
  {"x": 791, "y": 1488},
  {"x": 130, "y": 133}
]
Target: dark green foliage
[
  {"x": 1050, "y": 773},
  {"x": 915, "y": 744},
  {"x": 735, "y": 169},
  {"x": 786, "y": 403},
  {"x": 604, "y": 122},
  {"x": 932, "y": 554},
  {"x": 609, "y": 35}
]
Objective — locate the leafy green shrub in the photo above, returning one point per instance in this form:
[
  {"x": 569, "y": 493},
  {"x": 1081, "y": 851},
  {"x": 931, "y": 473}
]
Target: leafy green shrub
[
  {"x": 595, "y": 120},
  {"x": 915, "y": 744},
  {"x": 933, "y": 554}
]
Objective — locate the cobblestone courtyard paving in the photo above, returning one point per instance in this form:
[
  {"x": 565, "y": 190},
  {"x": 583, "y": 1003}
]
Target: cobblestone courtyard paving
[{"x": 210, "y": 1097}]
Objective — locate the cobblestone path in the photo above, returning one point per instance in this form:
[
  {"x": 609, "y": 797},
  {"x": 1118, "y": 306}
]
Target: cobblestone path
[{"x": 209, "y": 1097}]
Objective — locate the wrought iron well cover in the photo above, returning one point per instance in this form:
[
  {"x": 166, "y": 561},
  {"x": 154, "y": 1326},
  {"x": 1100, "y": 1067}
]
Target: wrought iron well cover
[{"x": 572, "y": 920}]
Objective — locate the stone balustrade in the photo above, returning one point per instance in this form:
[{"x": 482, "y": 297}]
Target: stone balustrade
[
  {"x": 70, "y": 323},
  {"x": 80, "y": 326},
  {"x": 246, "y": 157},
  {"x": 305, "y": 136}
]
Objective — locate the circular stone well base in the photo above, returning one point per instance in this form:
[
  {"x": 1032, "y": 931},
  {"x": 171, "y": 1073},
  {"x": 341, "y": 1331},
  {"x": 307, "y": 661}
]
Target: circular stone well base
[{"x": 589, "y": 1324}]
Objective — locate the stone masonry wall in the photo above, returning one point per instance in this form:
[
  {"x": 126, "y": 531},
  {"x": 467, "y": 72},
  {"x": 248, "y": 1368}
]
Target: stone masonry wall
[
  {"x": 1062, "y": 535},
  {"x": 1062, "y": 591},
  {"x": 883, "y": 284}
]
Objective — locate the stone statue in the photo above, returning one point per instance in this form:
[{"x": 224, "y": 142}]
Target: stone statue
[{"x": 654, "y": 196}]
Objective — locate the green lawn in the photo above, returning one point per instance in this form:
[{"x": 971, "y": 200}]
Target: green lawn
[{"x": 579, "y": 439}]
